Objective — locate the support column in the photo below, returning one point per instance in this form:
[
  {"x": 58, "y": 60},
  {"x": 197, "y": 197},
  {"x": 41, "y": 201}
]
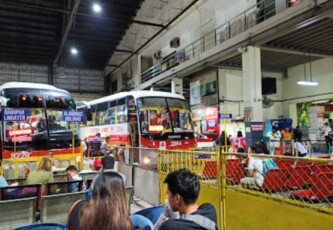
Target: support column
[
  {"x": 177, "y": 86},
  {"x": 252, "y": 94},
  {"x": 252, "y": 81}
]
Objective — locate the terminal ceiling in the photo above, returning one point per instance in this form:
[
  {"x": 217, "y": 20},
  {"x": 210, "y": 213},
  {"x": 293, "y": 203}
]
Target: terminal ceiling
[
  {"x": 309, "y": 41},
  {"x": 43, "y": 31}
]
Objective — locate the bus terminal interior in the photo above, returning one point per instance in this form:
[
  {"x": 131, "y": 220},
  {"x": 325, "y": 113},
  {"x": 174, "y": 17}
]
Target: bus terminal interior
[{"x": 162, "y": 85}]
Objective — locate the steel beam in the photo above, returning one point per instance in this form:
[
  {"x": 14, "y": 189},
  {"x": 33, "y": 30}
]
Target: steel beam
[
  {"x": 295, "y": 52},
  {"x": 67, "y": 30}
]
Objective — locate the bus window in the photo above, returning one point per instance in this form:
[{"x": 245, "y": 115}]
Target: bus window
[
  {"x": 121, "y": 114},
  {"x": 93, "y": 114},
  {"x": 180, "y": 115},
  {"x": 101, "y": 113}
]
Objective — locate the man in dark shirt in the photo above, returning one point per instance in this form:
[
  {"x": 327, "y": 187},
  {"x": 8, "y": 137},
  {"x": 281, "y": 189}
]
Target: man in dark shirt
[
  {"x": 183, "y": 192},
  {"x": 95, "y": 146}
]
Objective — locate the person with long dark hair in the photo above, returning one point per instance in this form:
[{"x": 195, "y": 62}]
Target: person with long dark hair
[{"x": 107, "y": 208}]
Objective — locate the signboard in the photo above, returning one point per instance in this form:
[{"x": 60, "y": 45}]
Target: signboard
[
  {"x": 225, "y": 115},
  {"x": 73, "y": 116},
  {"x": 14, "y": 115}
]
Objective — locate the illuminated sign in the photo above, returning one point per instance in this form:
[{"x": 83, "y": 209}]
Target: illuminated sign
[
  {"x": 14, "y": 115},
  {"x": 73, "y": 116},
  {"x": 19, "y": 132},
  {"x": 155, "y": 128}
]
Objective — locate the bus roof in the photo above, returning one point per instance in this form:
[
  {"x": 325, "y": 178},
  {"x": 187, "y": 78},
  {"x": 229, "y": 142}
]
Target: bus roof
[
  {"x": 29, "y": 85},
  {"x": 136, "y": 94}
]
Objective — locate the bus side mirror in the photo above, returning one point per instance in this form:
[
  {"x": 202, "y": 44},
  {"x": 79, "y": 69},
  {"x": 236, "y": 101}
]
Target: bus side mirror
[{"x": 88, "y": 115}]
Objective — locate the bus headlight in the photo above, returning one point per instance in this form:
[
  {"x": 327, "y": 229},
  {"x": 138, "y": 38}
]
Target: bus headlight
[{"x": 146, "y": 160}]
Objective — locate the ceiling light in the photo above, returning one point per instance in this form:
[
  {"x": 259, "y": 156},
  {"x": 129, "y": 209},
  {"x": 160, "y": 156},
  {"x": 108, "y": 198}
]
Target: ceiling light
[
  {"x": 97, "y": 8},
  {"x": 320, "y": 102},
  {"x": 74, "y": 51},
  {"x": 308, "y": 83}
]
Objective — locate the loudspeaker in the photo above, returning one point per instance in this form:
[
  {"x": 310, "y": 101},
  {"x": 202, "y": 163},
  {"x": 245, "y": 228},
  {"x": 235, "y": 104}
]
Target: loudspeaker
[
  {"x": 268, "y": 85},
  {"x": 175, "y": 43}
]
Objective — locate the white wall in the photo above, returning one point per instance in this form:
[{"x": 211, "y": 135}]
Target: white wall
[
  {"x": 322, "y": 72},
  {"x": 231, "y": 89},
  {"x": 208, "y": 16}
]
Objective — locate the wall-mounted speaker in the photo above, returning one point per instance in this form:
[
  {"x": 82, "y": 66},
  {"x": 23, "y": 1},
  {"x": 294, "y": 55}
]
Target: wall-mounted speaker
[
  {"x": 175, "y": 43},
  {"x": 268, "y": 85}
]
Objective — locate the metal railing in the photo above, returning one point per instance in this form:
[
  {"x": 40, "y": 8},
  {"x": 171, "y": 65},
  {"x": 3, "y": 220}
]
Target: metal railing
[{"x": 240, "y": 23}]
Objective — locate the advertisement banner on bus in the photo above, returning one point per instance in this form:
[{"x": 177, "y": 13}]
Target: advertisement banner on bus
[{"x": 73, "y": 116}]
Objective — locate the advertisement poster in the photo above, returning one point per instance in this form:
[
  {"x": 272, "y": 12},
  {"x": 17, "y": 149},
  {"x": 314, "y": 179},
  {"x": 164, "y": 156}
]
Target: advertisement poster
[
  {"x": 303, "y": 111},
  {"x": 212, "y": 120},
  {"x": 203, "y": 89}
]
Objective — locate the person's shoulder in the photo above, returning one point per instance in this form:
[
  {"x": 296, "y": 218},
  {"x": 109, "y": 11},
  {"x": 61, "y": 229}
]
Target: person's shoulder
[{"x": 170, "y": 224}]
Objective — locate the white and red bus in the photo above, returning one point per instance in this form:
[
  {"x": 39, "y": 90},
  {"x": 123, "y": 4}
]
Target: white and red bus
[
  {"x": 32, "y": 124},
  {"x": 146, "y": 119}
]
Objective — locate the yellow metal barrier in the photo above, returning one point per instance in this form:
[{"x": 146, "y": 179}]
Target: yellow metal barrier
[
  {"x": 240, "y": 205},
  {"x": 20, "y": 167}
]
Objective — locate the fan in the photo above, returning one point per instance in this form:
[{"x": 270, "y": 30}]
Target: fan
[{"x": 267, "y": 102}]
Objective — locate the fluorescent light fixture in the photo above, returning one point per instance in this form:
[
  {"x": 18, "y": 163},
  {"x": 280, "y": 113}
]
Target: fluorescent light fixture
[
  {"x": 74, "y": 51},
  {"x": 308, "y": 83},
  {"x": 97, "y": 8},
  {"x": 319, "y": 102}
]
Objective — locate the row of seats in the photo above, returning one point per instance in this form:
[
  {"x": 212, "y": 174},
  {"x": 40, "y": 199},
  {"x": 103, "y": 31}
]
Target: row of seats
[
  {"x": 289, "y": 175},
  {"x": 24, "y": 204}
]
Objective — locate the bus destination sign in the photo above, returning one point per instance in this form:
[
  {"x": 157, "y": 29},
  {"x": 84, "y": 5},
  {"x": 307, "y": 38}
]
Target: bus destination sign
[
  {"x": 14, "y": 115},
  {"x": 73, "y": 116}
]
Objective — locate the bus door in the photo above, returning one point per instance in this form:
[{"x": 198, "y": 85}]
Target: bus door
[{"x": 134, "y": 131}]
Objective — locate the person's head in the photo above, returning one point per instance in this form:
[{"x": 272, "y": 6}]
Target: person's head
[
  {"x": 325, "y": 124},
  {"x": 71, "y": 171},
  {"x": 107, "y": 162},
  {"x": 287, "y": 129},
  {"x": 107, "y": 139},
  {"x": 107, "y": 208},
  {"x": 45, "y": 164},
  {"x": 275, "y": 128},
  {"x": 239, "y": 134},
  {"x": 183, "y": 189},
  {"x": 330, "y": 120},
  {"x": 253, "y": 149},
  {"x": 98, "y": 135},
  {"x": 223, "y": 133}
]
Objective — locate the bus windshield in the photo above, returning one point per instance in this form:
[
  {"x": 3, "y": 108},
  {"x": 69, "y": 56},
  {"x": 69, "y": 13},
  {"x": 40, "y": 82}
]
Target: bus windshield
[
  {"x": 164, "y": 115},
  {"x": 38, "y": 131}
]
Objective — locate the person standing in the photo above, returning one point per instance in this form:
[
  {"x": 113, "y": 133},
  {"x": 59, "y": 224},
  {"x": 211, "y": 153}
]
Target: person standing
[
  {"x": 327, "y": 131},
  {"x": 95, "y": 146},
  {"x": 286, "y": 137},
  {"x": 275, "y": 138},
  {"x": 105, "y": 148}
]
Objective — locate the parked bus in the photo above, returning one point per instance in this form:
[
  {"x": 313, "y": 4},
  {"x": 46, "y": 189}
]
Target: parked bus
[
  {"x": 32, "y": 127},
  {"x": 146, "y": 119}
]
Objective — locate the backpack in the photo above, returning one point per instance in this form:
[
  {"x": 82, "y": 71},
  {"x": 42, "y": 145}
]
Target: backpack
[
  {"x": 261, "y": 147},
  {"x": 200, "y": 220},
  {"x": 268, "y": 164}
]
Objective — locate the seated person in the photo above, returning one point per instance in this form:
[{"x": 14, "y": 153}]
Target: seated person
[
  {"x": 3, "y": 182},
  {"x": 72, "y": 175},
  {"x": 107, "y": 166},
  {"x": 300, "y": 149},
  {"x": 183, "y": 189},
  {"x": 254, "y": 171},
  {"x": 105, "y": 148},
  {"x": 121, "y": 153},
  {"x": 53, "y": 125},
  {"x": 41, "y": 125}
]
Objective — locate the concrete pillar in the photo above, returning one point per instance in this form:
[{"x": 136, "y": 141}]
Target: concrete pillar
[
  {"x": 177, "y": 86},
  {"x": 252, "y": 81}
]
